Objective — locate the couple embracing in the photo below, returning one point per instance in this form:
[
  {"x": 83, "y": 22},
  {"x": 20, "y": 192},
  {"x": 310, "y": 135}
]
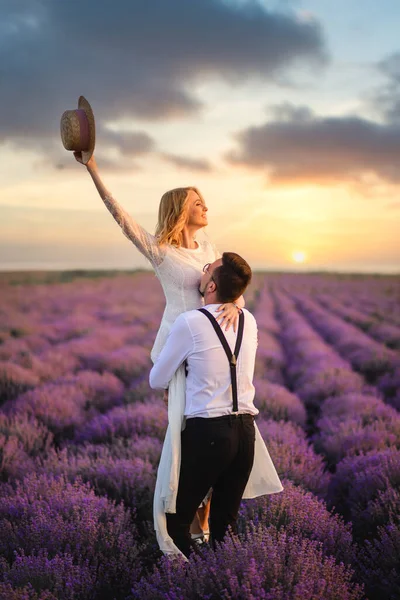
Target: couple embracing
[{"x": 213, "y": 453}]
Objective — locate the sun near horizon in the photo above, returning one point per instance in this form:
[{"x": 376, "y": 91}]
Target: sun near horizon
[{"x": 299, "y": 256}]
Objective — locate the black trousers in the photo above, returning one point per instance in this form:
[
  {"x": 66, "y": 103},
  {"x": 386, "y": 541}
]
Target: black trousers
[{"x": 218, "y": 453}]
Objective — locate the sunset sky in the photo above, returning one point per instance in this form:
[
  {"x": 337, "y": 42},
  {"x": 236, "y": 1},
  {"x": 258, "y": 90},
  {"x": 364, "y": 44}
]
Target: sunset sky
[{"x": 285, "y": 114}]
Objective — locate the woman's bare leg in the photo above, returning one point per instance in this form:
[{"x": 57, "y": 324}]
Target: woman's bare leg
[
  {"x": 195, "y": 528},
  {"x": 200, "y": 521}
]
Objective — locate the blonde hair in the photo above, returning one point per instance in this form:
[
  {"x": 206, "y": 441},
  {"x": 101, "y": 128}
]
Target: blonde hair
[{"x": 172, "y": 215}]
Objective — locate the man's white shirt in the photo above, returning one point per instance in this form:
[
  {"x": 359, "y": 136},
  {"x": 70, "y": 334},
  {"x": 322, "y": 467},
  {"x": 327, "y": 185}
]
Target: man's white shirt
[{"x": 208, "y": 383}]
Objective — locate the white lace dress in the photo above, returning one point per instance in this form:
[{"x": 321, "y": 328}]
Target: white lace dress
[{"x": 179, "y": 271}]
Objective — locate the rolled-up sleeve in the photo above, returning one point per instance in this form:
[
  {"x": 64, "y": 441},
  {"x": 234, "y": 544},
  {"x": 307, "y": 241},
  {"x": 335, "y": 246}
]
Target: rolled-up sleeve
[{"x": 177, "y": 348}]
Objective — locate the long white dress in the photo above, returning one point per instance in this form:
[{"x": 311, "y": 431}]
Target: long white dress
[{"x": 179, "y": 271}]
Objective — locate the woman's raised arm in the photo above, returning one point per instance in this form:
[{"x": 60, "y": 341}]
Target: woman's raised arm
[{"x": 142, "y": 239}]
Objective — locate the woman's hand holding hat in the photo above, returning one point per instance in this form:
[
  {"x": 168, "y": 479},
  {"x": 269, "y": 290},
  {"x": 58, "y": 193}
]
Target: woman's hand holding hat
[
  {"x": 78, "y": 131},
  {"x": 90, "y": 164}
]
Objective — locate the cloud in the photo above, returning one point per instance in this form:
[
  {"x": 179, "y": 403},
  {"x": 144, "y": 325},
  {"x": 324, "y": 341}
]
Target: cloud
[
  {"x": 124, "y": 149},
  {"x": 386, "y": 99},
  {"x": 107, "y": 164},
  {"x": 183, "y": 162},
  {"x": 137, "y": 59},
  {"x": 298, "y": 146},
  {"x": 135, "y": 143},
  {"x": 393, "y": 205},
  {"x": 121, "y": 150}
]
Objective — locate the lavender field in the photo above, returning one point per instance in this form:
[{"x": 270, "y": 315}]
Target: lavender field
[{"x": 81, "y": 435}]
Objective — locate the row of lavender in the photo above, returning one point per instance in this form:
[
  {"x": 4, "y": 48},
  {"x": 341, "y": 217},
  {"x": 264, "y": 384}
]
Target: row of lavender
[
  {"x": 90, "y": 431},
  {"x": 375, "y": 298},
  {"x": 348, "y": 423},
  {"x": 73, "y": 514}
]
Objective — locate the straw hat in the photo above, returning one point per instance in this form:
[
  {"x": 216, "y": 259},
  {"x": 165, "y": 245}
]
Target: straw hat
[{"x": 78, "y": 131}]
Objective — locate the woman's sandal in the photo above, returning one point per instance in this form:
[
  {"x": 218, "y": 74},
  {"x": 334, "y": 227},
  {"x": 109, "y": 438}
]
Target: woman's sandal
[
  {"x": 197, "y": 538},
  {"x": 200, "y": 538}
]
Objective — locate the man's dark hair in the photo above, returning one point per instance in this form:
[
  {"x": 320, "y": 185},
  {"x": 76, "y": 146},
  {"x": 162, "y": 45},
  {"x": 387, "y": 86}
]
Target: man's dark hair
[{"x": 232, "y": 277}]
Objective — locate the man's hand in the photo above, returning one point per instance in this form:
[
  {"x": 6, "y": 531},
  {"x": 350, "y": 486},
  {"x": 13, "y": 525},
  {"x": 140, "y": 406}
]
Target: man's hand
[{"x": 166, "y": 398}]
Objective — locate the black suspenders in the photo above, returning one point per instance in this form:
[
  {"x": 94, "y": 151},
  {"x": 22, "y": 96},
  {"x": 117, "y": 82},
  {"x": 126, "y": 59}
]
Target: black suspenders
[{"x": 231, "y": 357}]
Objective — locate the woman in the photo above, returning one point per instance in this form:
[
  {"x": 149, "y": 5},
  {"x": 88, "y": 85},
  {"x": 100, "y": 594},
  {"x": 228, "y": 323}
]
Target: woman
[{"x": 178, "y": 260}]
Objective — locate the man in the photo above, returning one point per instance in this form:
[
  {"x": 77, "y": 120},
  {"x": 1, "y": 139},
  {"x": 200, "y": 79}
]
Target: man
[{"x": 218, "y": 441}]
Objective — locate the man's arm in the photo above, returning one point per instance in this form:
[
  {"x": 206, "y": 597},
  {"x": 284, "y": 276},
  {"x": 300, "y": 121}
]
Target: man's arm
[{"x": 177, "y": 348}]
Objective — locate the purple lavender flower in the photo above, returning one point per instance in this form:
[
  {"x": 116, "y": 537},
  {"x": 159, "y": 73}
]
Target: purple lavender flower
[
  {"x": 264, "y": 313},
  {"x": 14, "y": 380},
  {"x": 36, "y": 343},
  {"x": 354, "y": 424},
  {"x": 14, "y": 461},
  {"x": 366, "y": 355},
  {"x": 13, "y": 349},
  {"x": 70, "y": 326},
  {"x": 314, "y": 369},
  {"x": 365, "y": 489},
  {"x": 33, "y": 436},
  {"x": 59, "y": 407},
  {"x": 26, "y": 593},
  {"x": 387, "y": 333},
  {"x": 146, "y": 447},
  {"x": 127, "y": 362},
  {"x": 268, "y": 564},
  {"x": 61, "y": 517},
  {"x": 126, "y": 421},
  {"x": 129, "y": 479},
  {"x": 102, "y": 391},
  {"x": 140, "y": 391},
  {"x": 389, "y": 385},
  {"x": 55, "y": 362},
  {"x": 21, "y": 439},
  {"x": 276, "y": 402},
  {"x": 105, "y": 339},
  {"x": 378, "y": 564},
  {"x": 270, "y": 360},
  {"x": 58, "y": 575},
  {"x": 318, "y": 382},
  {"x": 302, "y": 514},
  {"x": 293, "y": 457}
]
